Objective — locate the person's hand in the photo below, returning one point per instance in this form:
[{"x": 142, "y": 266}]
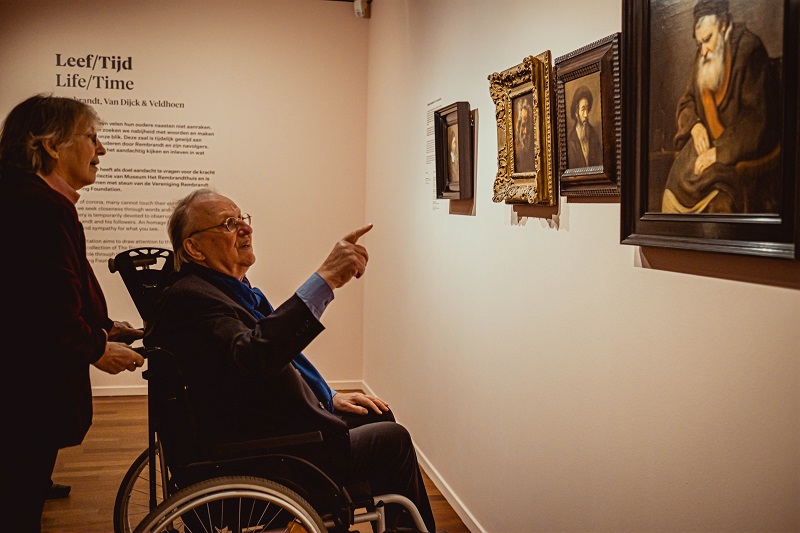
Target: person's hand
[
  {"x": 124, "y": 332},
  {"x": 700, "y": 138},
  {"x": 705, "y": 160},
  {"x": 346, "y": 260},
  {"x": 119, "y": 357},
  {"x": 358, "y": 403}
]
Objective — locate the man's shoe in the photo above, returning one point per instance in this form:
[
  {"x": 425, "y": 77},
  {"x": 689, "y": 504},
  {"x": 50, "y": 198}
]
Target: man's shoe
[{"x": 58, "y": 491}]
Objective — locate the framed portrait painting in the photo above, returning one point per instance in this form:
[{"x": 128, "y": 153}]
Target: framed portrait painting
[
  {"x": 589, "y": 119},
  {"x": 453, "y": 134},
  {"x": 524, "y": 111},
  {"x": 710, "y": 125}
]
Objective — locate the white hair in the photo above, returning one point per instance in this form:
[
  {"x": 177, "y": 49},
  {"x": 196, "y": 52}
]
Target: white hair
[{"x": 711, "y": 69}]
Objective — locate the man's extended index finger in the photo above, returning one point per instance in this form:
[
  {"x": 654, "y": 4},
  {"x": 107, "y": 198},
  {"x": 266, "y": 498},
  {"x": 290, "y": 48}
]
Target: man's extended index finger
[{"x": 353, "y": 236}]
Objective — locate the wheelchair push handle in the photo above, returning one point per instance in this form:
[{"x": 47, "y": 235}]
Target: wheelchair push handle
[
  {"x": 144, "y": 351},
  {"x": 141, "y": 350},
  {"x": 140, "y": 258}
]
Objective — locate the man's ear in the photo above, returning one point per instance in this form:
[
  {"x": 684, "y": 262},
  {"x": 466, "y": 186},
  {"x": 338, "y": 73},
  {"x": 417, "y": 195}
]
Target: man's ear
[{"x": 190, "y": 247}]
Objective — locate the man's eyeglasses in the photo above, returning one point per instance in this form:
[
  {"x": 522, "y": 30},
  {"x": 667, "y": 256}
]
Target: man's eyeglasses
[{"x": 231, "y": 224}]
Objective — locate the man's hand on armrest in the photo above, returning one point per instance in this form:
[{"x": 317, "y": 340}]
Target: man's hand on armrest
[{"x": 358, "y": 403}]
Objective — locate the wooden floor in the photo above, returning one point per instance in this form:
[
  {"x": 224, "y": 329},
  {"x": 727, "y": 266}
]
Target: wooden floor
[{"x": 96, "y": 467}]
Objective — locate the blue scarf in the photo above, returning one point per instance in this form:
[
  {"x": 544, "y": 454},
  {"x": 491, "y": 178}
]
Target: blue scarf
[{"x": 252, "y": 298}]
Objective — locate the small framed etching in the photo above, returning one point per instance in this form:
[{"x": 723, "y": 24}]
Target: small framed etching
[{"x": 453, "y": 134}]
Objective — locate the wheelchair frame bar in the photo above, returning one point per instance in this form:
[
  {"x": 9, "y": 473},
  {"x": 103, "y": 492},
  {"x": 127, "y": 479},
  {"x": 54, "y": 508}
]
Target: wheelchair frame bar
[
  {"x": 379, "y": 514},
  {"x": 405, "y": 502},
  {"x": 151, "y": 463}
]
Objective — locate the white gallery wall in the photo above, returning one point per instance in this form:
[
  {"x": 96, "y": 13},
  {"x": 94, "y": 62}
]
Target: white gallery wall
[
  {"x": 553, "y": 379},
  {"x": 282, "y": 86}
]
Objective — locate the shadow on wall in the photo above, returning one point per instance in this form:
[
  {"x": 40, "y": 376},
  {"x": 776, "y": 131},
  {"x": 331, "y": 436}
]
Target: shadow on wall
[{"x": 761, "y": 270}]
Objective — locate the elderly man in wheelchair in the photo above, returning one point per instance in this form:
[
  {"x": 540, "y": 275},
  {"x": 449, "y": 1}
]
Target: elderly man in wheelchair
[{"x": 259, "y": 411}]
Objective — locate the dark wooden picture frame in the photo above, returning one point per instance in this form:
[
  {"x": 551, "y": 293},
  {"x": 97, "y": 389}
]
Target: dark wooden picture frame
[
  {"x": 453, "y": 135},
  {"x": 588, "y": 85},
  {"x": 524, "y": 96},
  {"x": 745, "y": 204}
]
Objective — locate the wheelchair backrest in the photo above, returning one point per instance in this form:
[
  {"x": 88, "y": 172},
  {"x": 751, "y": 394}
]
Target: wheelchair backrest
[{"x": 143, "y": 271}]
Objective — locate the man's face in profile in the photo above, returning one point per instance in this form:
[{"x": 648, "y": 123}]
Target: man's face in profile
[{"x": 708, "y": 34}]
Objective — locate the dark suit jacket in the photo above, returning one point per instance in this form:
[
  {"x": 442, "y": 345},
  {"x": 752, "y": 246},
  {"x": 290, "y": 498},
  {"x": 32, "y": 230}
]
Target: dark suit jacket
[
  {"x": 56, "y": 313},
  {"x": 575, "y": 152},
  {"x": 238, "y": 369}
]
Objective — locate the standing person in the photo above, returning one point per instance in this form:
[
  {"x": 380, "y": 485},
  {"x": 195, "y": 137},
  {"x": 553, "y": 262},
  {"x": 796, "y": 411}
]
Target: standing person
[
  {"x": 58, "y": 324},
  {"x": 226, "y": 336},
  {"x": 728, "y": 114},
  {"x": 584, "y": 146}
]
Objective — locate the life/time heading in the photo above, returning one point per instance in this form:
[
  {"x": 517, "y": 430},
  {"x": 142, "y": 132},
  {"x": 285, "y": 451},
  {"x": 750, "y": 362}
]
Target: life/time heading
[
  {"x": 108, "y": 64},
  {"x": 90, "y": 61}
]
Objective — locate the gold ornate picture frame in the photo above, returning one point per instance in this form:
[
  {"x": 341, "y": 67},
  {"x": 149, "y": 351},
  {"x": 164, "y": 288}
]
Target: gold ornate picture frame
[{"x": 523, "y": 98}]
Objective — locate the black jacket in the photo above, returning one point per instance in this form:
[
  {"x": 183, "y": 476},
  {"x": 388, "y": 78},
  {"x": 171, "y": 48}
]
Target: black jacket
[
  {"x": 238, "y": 369},
  {"x": 55, "y": 315}
]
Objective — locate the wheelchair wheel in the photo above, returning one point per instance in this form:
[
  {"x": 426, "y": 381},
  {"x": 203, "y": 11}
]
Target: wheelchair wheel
[
  {"x": 133, "y": 496},
  {"x": 236, "y": 504}
]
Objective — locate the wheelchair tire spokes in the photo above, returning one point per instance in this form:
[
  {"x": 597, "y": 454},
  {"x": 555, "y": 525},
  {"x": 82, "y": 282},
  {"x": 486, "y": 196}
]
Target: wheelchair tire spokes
[
  {"x": 132, "y": 503},
  {"x": 233, "y": 504}
]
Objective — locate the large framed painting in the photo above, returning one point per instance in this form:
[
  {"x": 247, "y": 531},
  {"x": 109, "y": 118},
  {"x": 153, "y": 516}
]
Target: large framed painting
[
  {"x": 453, "y": 133},
  {"x": 524, "y": 111},
  {"x": 589, "y": 117},
  {"x": 710, "y": 125}
]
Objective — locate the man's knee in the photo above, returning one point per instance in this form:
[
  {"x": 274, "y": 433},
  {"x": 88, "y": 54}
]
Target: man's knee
[
  {"x": 387, "y": 440},
  {"x": 395, "y": 433}
]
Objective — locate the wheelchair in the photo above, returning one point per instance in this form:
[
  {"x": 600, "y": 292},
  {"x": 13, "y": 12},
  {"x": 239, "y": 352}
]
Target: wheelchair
[{"x": 182, "y": 483}]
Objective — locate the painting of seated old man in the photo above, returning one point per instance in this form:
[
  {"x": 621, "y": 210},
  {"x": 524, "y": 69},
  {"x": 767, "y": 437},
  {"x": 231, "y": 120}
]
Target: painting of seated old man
[{"x": 715, "y": 121}]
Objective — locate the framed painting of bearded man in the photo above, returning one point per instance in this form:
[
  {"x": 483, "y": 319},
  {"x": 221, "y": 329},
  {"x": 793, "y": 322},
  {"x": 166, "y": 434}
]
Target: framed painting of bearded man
[
  {"x": 524, "y": 112},
  {"x": 710, "y": 125},
  {"x": 589, "y": 119}
]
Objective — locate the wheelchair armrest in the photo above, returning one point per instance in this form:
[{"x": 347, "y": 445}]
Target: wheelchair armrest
[{"x": 267, "y": 444}]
